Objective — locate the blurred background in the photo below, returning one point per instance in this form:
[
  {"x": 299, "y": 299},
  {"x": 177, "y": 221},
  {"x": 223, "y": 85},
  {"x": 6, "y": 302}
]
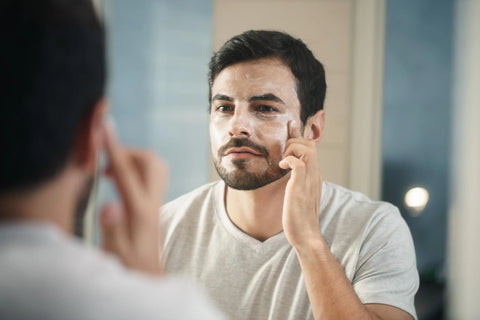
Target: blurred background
[{"x": 402, "y": 108}]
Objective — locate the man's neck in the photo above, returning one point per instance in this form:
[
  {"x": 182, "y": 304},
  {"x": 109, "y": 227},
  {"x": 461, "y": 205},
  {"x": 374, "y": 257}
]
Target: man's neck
[
  {"x": 257, "y": 212},
  {"x": 54, "y": 202}
]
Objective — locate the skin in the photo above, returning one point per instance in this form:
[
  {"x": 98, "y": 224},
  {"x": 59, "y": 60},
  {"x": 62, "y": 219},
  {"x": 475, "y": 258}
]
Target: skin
[
  {"x": 268, "y": 126},
  {"x": 291, "y": 203},
  {"x": 130, "y": 227}
]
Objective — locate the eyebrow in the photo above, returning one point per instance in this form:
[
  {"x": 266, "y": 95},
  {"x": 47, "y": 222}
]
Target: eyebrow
[
  {"x": 267, "y": 96},
  {"x": 222, "y": 97}
]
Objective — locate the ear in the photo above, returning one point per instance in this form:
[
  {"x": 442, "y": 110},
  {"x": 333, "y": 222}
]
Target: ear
[
  {"x": 314, "y": 126},
  {"x": 89, "y": 139}
]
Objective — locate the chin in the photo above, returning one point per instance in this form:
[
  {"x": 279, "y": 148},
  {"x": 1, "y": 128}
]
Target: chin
[{"x": 242, "y": 179}]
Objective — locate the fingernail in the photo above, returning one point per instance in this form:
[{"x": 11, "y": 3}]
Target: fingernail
[{"x": 293, "y": 125}]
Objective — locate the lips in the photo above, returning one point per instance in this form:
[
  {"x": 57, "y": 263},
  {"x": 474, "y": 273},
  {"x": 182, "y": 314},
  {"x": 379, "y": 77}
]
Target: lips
[{"x": 242, "y": 150}]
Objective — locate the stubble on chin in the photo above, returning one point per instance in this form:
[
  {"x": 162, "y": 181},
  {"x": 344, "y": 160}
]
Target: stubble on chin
[{"x": 241, "y": 178}]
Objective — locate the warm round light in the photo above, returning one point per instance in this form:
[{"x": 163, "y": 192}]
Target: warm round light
[{"x": 416, "y": 199}]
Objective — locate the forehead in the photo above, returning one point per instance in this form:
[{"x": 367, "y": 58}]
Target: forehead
[{"x": 266, "y": 75}]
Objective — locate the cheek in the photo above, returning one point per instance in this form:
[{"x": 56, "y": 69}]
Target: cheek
[
  {"x": 217, "y": 134},
  {"x": 275, "y": 132},
  {"x": 275, "y": 135}
]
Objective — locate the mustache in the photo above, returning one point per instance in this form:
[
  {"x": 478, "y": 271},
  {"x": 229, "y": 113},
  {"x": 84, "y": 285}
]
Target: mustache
[{"x": 243, "y": 142}]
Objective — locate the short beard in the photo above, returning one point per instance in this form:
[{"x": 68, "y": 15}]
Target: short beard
[{"x": 240, "y": 178}]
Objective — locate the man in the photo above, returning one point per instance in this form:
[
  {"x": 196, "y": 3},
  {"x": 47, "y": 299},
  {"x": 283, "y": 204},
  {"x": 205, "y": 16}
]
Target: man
[
  {"x": 51, "y": 131},
  {"x": 272, "y": 240}
]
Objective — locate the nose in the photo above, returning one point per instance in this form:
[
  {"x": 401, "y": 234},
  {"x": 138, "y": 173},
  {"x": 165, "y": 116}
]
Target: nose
[{"x": 240, "y": 125}]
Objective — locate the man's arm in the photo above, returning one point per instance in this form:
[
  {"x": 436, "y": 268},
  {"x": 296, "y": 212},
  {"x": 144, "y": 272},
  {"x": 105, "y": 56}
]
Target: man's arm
[{"x": 330, "y": 293}]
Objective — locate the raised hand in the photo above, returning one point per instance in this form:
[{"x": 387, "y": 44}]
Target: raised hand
[
  {"x": 131, "y": 228},
  {"x": 303, "y": 191}
]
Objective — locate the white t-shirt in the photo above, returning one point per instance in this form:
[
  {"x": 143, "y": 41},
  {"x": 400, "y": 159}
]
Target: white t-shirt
[
  {"x": 45, "y": 274},
  {"x": 250, "y": 279}
]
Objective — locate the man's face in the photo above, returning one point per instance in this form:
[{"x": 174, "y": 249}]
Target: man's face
[{"x": 252, "y": 104}]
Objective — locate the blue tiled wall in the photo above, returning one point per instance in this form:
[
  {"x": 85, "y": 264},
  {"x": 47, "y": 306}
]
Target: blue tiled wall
[{"x": 158, "y": 54}]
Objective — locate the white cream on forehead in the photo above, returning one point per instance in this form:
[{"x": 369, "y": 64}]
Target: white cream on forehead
[
  {"x": 249, "y": 77},
  {"x": 278, "y": 87},
  {"x": 240, "y": 83}
]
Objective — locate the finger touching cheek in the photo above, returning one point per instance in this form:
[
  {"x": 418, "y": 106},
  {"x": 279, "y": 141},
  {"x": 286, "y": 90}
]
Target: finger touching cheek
[{"x": 293, "y": 130}]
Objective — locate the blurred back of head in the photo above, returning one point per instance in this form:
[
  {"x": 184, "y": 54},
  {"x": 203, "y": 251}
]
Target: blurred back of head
[{"x": 52, "y": 62}]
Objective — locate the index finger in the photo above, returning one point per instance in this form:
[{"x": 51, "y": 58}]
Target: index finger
[
  {"x": 127, "y": 184},
  {"x": 293, "y": 130}
]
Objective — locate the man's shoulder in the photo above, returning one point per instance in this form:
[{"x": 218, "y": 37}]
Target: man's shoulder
[
  {"x": 39, "y": 251},
  {"x": 336, "y": 195},
  {"x": 351, "y": 208},
  {"x": 84, "y": 276},
  {"x": 356, "y": 227}
]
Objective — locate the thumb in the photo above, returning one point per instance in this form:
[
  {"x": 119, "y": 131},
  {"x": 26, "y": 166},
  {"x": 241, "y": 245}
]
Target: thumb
[{"x": 115, "y": 235}]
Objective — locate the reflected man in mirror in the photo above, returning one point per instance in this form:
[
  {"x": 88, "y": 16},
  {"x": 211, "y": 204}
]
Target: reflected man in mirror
[{"x": 272, "y": 239}]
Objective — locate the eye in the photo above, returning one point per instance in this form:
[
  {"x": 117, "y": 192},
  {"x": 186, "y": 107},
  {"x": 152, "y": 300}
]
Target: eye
[
  {"x": 224, "y": 108},
  {"x": 265, "y": 109}
]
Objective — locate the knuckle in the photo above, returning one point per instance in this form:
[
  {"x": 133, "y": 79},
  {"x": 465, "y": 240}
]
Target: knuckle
[
  {"x": 301, "y": 164},
  {"x": 297, "y": 163}
]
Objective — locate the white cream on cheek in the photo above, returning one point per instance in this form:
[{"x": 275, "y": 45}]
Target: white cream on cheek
[
  {"x": 245, "y": 80},
  {"x": 271, "y": 133},
  {"x": 274, "y": 134}
]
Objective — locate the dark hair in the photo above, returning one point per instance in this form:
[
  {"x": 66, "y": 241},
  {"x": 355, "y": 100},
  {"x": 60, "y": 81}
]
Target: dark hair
[
  {"x": 257, "y": 44},
  {"x": 52, "y": 62}
]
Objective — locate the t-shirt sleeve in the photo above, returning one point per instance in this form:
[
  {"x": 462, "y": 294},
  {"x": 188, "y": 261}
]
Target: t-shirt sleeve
[{"x": 386, "y": 270}]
